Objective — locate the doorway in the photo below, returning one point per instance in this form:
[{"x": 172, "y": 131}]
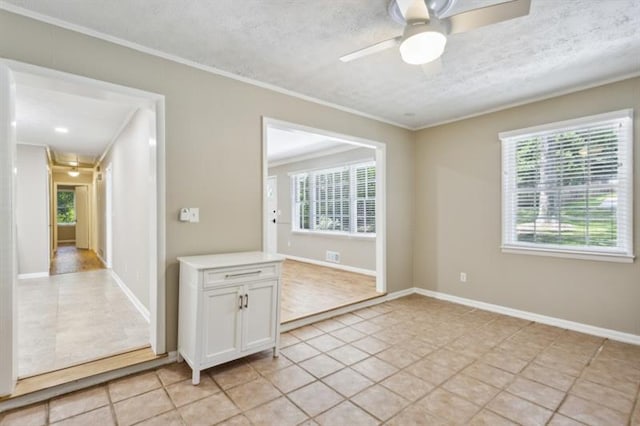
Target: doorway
[
  {"x": 148, "y": 105},
  {"x": 324, "y": 211}
]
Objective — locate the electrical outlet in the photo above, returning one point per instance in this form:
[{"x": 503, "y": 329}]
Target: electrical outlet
[
  {"x": 463, "y": 277},
  {"x": 333, "y": 256},
  {"x": 194, "y": 215}
]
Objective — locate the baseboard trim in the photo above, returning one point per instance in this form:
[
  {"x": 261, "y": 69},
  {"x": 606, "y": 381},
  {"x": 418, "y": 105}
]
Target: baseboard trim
[
  {"x": 531, "y": 316},
  {"x": 66, "y": 241},
  {"x": 132, "y": 297},
  {"x": 344, "y": 310},
  {"x": 33, "y": 275},
  {"x": 347, "y": 268}
]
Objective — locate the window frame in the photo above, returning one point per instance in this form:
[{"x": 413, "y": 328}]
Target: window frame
[
  {"x": 74, "y": 208},
  {"x": 509, "y": 174},
  {"x": 311, "y": 174}
]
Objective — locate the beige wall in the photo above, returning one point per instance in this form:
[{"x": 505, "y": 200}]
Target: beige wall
[
  {"x": 356, "y": 252},
  {"x": 32, "y": 210},
  {"x": 458, "y": 197},
  {"x": 129, "y": 160},
  {"x": 213, "y": 138},
  {"x": 66, "y": 233}
]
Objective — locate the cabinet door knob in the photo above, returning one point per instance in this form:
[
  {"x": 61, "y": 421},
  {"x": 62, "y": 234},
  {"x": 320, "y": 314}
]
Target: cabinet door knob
[
  {"x": 240, "y": 302},
  {"x": 246, "y": 300}
]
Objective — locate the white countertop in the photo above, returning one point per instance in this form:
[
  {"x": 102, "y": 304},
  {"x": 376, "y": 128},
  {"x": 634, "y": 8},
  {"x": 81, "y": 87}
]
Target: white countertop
[{"x": 230, "y": 259}]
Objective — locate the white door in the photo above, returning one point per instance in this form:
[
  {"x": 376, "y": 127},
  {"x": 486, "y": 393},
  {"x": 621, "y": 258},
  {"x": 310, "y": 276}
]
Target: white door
[
  {"x": 259, "y": 310},
  {"x": 8, "y": 264},
  {"x": 272, "y": 214},
  {"x": 82, "y": 217},
  {"x": 221, "y": 328}
]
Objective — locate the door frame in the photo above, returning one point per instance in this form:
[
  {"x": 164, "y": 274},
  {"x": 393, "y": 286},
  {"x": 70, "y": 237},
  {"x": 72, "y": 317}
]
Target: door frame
[
  {"x": 381, "y": 189},
  {"x": 54, "y": 207},
  {"x": 157, "y": 209},
  {"x": 108, "y": 216},
  {"x": 267, "y": 214}
]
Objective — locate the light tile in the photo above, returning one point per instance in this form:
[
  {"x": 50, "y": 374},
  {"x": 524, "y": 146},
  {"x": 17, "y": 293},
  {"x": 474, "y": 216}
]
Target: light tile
[
  {"x": 184, "y": 392},
  {"x": 590, "y": 412},
  {"x": 233, "y": 374},
  {"x": 407, "y": 385},
  {"x": 450, "y": 359},
  {"x": 100, "y": 416},
  {"x": 325, "y": 343},
  {"x": 370, "y": 345},
  {"x": 346, "y": 414},
  {"x": 290, "y": 378},
  {"x": 170, "y": 418},
  {"x": 489, "y": 374},
  {"x": 321, "y": 365},
  {"x": 471, "y": 389},
  {"x": 560, "y": 420},
  {"x": 348, "y": 354},
  {"x": 347, "y": 382},
  {"x": 239, "y": 420},
  {"x": 133, "y": 385},
  {"x": 536, "y": 392},
  {"x": 548, "y": 376},
  {"x": 448, "y": 406},
  {"x": 300, "y": 352},
  {"x": 315, "y": 398},
  {"x": 33, "y": 415},
  {"x": 329, "y": 325},
  {"x": 208, "y": 411},
  {"x": 430, "y": 371},
  {"x": 142, "y": 407},
  {"x": 416, "y": 415},
  {"x": 380, "y": 402},
  {"x": 348, "y": 334},
  {"x": 487, "y": 418},
  {"x": 77, "y": 402},
  {"x": 519, "y": 410},
  {"x": 398, "y": 357},
  {"x": 280, "y": 410},
  {"x": 306, "y": 332},
  {"x": 174, "y": 373},
  {"x": 267, "y": 363},
  {"x": 603, "y": 395},
  {"x": 254, "y": 393},
  {"x": 374, "y": 368}
]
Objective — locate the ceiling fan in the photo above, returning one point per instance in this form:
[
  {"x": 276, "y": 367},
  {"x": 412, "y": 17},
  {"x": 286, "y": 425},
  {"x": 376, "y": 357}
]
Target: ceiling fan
[{"x": 426, "y": 27}]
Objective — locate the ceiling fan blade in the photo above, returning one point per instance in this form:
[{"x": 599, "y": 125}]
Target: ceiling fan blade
[
  {"x": 476, "y": 18},
  {"x": 378, "y": 47},
  {"x": 413, "y": 10}
]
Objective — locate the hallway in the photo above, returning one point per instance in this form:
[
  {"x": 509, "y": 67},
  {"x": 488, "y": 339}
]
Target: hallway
[
  {"x": 70, "y": 319},
  {"x": 70, "y": 259}
]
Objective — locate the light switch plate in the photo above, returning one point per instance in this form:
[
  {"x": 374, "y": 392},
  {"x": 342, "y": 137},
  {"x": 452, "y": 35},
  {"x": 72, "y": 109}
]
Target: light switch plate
[{"x": 194, "y": 215}]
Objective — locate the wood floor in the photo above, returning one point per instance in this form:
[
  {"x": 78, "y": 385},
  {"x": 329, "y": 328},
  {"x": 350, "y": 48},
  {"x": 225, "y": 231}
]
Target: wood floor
[
  {"x": 311, "y": 289},
  {"x": 70, "y": 259}
]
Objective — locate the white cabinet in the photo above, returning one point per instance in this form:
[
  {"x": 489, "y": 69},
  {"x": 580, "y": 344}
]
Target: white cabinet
[{"x": 229, "y": 307}]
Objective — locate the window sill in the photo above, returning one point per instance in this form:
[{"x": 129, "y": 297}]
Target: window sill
[
  {"x": 67, "y": 224},
  {"x": 570, "y": 254},
  {"x": 335, "y": 235}
]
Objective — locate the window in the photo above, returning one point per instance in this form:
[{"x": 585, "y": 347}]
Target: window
[
  {"x": 567, "y": 188},
  {"x": 66, "y": 206},
  {"x": 339, "y": 200}
]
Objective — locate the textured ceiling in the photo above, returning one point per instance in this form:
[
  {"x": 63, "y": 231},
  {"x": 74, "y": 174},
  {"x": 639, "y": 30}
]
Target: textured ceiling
[
  {"x": 295, "y": 45},
  {"x": 285, "y": 145}
]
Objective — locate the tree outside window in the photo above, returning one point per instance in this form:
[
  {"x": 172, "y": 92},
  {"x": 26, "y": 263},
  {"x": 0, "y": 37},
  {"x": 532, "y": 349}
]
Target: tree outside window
[{"x": 66, "y": 206}]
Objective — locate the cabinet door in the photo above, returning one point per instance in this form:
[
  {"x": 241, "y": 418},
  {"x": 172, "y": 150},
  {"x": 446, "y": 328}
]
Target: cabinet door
[
  {"x": 260, "y": 314},
  {"x": 222, "y": 328}
]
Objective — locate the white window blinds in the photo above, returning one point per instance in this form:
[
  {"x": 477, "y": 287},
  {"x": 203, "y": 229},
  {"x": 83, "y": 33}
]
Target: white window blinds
[
  {"x": 341, "y": 199},
  {"x": 567, "y": 187}
]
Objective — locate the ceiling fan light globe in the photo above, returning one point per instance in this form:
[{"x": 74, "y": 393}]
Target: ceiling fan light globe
[
  {"x": 73, "y": 173},
  {"x": 422, "y": 47}
]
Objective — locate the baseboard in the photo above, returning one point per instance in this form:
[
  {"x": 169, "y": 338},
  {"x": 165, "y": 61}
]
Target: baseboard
[
  {"x": 344, "y": 310},
  {"x": 332, "y": 265},
  {"x": 66, "y": 241},
  {"x": 104, "y": 262},
  {"x": 132, "y": 297},
  {"x": 543, "y": 319},
  {"x": 33, "y": 275}
]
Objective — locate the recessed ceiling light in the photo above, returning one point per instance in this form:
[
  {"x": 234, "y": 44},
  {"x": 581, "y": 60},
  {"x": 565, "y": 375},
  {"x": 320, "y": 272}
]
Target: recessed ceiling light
[{"x": 61, "y": 130}]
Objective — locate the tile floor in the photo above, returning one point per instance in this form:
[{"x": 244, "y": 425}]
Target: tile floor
[
  {"x": 68, "y": 319},
  {"x": 412, "y": 361}
]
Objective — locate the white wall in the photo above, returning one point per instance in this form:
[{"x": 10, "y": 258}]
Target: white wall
[
  {"x": 354, "y": 251},
  {"x": 129, "y": 159},
  {"x": 32, "y": 210}
]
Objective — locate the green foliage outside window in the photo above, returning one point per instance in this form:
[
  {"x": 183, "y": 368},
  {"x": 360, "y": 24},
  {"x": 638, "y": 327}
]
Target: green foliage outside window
[{"x": 66, "y": 207}]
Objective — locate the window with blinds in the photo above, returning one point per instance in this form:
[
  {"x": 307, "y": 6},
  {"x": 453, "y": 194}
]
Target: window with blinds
[
  {"x": 567, "y": 187},
  {"x": 341, "y": 199}
]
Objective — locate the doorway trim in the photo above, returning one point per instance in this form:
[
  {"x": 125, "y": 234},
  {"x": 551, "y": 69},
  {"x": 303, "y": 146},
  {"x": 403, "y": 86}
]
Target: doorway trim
[
  {"x": 54, "y": 207},
  {"x": 157, "y": 210},
  {"x": 381, "y": 192}
]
